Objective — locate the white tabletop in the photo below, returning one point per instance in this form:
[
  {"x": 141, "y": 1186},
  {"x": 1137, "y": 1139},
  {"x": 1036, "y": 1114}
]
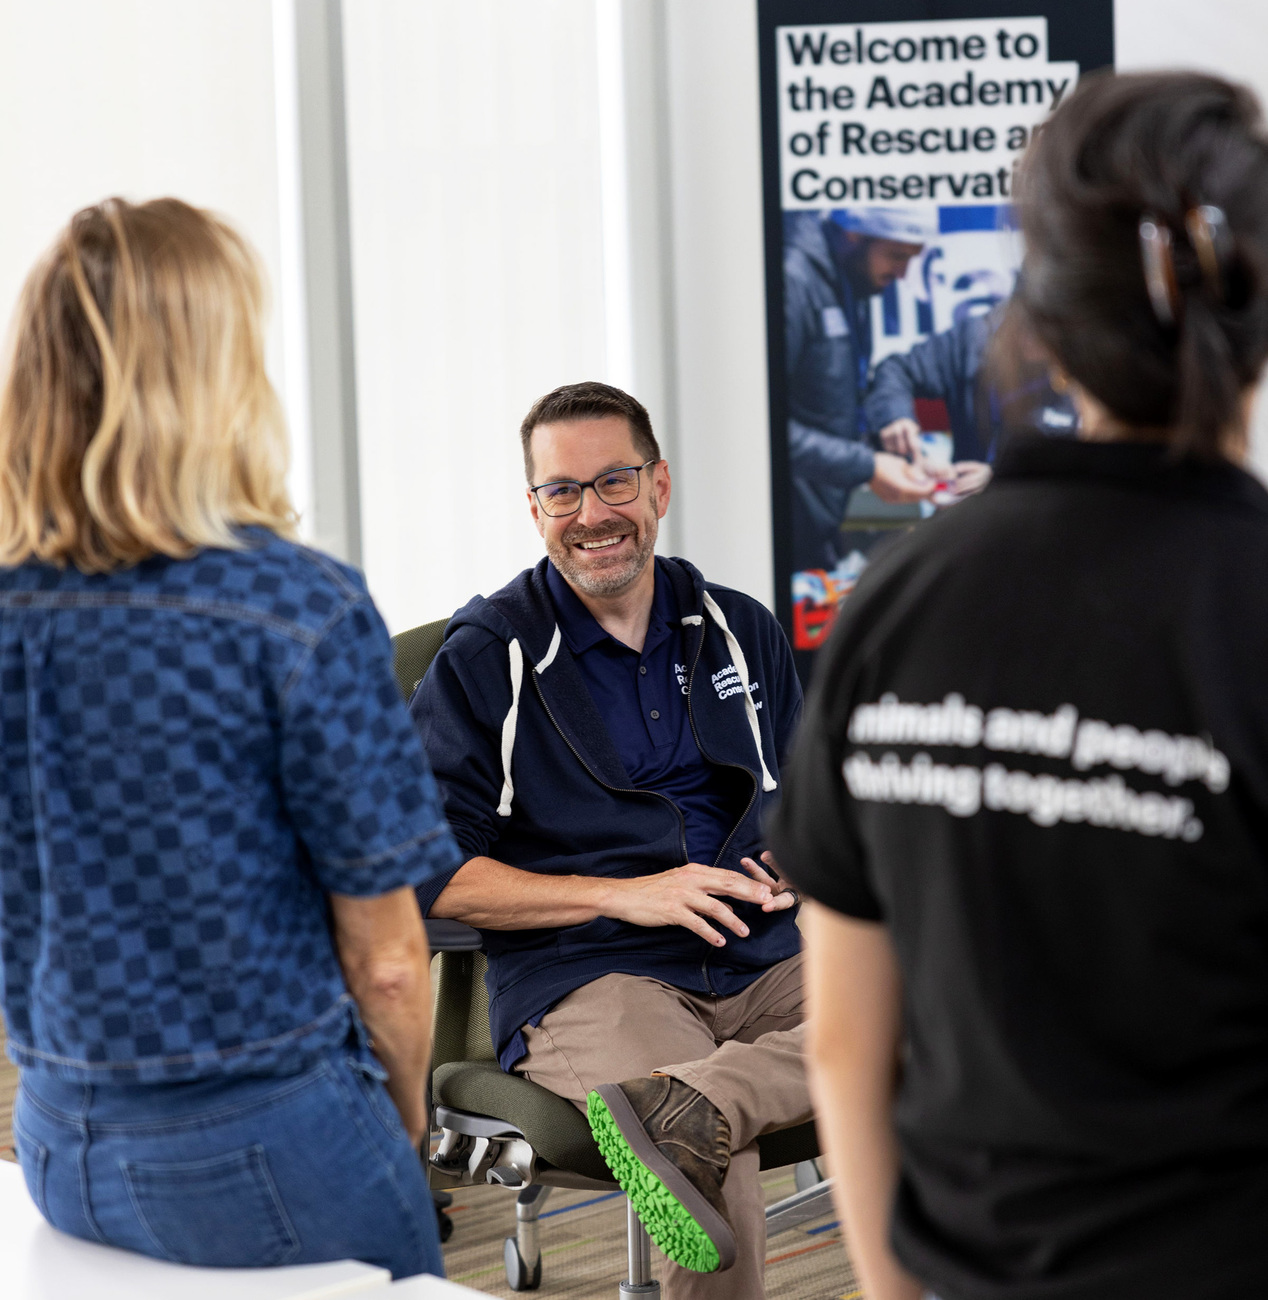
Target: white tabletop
[{"x": 39, "y": 1263}]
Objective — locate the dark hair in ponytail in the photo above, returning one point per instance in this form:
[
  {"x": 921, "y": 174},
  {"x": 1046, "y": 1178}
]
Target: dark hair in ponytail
[{"x": 1157, "y": 146}]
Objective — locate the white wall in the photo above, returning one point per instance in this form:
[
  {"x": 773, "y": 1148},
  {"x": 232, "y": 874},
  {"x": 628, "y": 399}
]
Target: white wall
[
  {"x": 139, "y": 98},
  {"x": 478, "y": 275},
  {"x": 723, "y": 451},
  {"x": 1224, "y": 36}
]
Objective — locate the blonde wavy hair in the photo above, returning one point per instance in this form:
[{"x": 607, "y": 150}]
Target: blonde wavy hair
[{"x": 136, "y": 417}]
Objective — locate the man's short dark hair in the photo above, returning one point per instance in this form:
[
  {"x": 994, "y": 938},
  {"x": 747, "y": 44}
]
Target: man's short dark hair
[{"x": 589, "y": 400}]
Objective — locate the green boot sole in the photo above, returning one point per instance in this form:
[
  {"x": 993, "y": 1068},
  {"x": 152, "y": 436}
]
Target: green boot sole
[{"x": 668, "y": 1222}]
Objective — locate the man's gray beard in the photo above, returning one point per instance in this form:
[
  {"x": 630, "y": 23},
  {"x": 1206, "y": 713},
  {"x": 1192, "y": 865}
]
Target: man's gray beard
[{"x": 608, "y": 582}]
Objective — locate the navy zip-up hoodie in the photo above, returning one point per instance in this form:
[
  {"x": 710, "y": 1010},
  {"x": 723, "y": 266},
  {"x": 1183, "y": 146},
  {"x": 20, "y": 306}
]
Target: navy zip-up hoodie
[{"x": 531, "y": 777}]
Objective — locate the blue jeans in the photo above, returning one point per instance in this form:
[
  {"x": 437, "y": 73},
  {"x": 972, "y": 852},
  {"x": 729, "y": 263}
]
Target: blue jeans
[{"x": 234, "y": 1172}]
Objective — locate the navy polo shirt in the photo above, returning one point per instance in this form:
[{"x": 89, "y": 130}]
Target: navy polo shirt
[{"x": 642, "y": 698}]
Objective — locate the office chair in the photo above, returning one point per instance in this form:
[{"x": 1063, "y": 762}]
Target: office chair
[{"x": 505, "y": 1130}]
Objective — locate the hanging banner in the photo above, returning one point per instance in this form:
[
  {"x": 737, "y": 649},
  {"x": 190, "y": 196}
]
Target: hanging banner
[{"x": 890, "y": 134}]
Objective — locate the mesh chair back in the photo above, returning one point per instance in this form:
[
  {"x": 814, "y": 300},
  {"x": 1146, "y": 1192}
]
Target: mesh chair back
[
  {"x": 414, "y": 650},
  {"x": 460, "y": 1023},
  {"x": 461, "y": 1001}
]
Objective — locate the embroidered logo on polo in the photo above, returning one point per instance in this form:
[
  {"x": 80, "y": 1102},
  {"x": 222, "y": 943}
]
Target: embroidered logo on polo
[
  {"x": 726, "y": 681},
  {"x": 1046, "y": 799}
]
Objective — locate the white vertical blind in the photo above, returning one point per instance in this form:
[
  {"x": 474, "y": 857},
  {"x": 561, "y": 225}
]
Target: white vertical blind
[
  {"x": 139, "y": 98},
  {"x": 614, "y": 194},
  {"x": 478, "y": 272},
  {"x": 719, "y": 292},
  {"x": 289, "y": 293}
]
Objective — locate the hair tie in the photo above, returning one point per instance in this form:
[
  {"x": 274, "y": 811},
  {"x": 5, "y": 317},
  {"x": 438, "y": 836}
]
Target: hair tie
[
  {"x": 1160, "y": 269},
  {"x": 1208, "y": 232}
]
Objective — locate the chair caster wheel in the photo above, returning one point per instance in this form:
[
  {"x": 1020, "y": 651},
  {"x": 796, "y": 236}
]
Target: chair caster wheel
[{"x": 518, "y": 1275}]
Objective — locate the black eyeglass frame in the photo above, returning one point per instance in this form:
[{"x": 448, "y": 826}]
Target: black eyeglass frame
[{"x": 535, "y": 488}]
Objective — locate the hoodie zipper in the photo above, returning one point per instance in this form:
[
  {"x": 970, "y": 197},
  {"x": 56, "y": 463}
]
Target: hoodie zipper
[
  {"x": 619, "y": 789},
  {"x": 691, "y": 719},
  {"x": 682, "y": 824}
]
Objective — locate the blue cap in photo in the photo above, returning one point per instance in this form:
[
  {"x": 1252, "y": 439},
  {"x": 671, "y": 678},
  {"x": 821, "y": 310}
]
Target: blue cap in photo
[{"x": 906, "y": 225}]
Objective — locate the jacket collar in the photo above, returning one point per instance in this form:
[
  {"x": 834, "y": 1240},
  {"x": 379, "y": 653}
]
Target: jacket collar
[
  {"x": 581, "y": 630},
  {"x": 524, "y": 610}
]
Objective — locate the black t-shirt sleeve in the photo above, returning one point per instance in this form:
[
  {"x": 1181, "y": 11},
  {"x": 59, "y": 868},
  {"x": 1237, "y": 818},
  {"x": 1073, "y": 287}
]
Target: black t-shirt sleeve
[{"x": 813, "y": 834}]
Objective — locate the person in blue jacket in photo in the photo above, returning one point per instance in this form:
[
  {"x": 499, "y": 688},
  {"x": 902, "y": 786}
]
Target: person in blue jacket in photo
[
  {"x": 953, "y": 366},
  {"x": 834, "y": 264},
  {"x": 608, "y": 731}
]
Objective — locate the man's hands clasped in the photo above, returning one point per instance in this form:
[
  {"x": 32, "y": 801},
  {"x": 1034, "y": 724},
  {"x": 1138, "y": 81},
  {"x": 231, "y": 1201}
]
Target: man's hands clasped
[{"x": 691, "y": 896}]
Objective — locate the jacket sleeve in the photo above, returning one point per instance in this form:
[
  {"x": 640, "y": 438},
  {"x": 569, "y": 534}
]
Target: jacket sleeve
[
  {"x": 458, "y": 709},
  {"x": 943, "y": 366},
  {"x": 797, "y": 312},
  {"x": 928, "y": 370},
  {"x": 813, "y": 452},
  {"x": 816, "y": 455},
  {"x": 787, "y": 694},
  {"x": 354, "y": 777},
  {"x": 784, "y": 701}
]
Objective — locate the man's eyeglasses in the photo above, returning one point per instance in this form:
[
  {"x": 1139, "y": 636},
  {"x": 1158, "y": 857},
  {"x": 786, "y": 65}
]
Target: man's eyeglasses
[{"x": 615, "y": 487}]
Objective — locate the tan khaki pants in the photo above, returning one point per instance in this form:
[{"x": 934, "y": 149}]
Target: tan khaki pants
[{"x": 743, "y": 1052}]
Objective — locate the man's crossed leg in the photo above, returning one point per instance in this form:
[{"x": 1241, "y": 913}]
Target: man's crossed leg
[{"x": 742, "y": 1053}]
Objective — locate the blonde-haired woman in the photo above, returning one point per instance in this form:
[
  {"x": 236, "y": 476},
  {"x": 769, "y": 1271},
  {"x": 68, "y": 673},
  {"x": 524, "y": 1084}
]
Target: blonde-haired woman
[{"x": 213, "y": 806}]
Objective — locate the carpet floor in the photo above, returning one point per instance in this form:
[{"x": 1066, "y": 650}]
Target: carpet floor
[{"x": 583, "y": 1246}]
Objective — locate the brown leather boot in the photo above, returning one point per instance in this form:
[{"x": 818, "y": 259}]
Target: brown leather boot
[{"x": 669, "y": 1147}]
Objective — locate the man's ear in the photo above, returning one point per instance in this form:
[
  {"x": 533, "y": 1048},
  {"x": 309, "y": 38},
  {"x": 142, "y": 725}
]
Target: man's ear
[
  {"x": 535, "y": 510},
  {"x": 661, "y": 486}
]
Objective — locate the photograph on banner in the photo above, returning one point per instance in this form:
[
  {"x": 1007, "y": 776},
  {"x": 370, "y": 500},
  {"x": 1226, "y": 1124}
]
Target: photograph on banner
[{"x": 898, "y": 143}]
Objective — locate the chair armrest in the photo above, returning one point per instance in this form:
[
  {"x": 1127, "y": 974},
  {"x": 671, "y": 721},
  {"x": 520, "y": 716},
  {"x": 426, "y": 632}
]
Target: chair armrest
[{"x": 452, "y": 936}]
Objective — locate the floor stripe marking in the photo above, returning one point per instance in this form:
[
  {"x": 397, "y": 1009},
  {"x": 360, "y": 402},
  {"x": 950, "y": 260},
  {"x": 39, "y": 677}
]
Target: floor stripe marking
[
  {"x": 805, "y": 1250},
  {"x": 480, "y": 1272},
  {"x": 580, "y": 1205},
  {"x": 572, "y": 1245}
]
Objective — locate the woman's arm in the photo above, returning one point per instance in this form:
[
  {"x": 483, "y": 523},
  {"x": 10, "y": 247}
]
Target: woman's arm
[
  {"x": 382, "y": 947},
  {"x": 854, "y": 1025}
]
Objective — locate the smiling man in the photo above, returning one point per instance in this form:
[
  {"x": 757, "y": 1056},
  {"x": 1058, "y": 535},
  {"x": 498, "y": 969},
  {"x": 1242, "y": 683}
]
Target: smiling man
[{"x": 607, "y": 731}]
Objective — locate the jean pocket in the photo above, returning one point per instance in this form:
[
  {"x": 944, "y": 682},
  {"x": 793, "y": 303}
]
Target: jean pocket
[
  {"x": 224, "y": 1212},
  {"x": 33, "y": 1157},
  {"x": 371, "y": 1077}
]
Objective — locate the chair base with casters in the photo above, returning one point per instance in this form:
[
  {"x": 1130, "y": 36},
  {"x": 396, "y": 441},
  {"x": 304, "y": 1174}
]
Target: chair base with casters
[{"x": 504, "y": 1130}]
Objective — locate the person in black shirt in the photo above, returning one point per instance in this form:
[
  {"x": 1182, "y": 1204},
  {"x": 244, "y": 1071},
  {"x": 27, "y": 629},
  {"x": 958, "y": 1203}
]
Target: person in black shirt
[{"x": 1030, "y": 797}]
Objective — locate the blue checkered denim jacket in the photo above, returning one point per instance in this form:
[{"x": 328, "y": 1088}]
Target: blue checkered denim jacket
[{"x": 192, "y": 754}]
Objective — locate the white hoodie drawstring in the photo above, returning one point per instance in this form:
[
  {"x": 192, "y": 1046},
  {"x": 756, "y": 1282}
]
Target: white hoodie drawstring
[
  {"x": 741, "y": 667},
  {"x": 508, "y": 727},
  {"x": 513, "y": 713}
]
